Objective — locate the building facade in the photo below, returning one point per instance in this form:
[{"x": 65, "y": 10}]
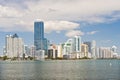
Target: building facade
[
  {"x": 40, "y": 42},
  {"x": 39, "y": 35},
  {"x": 76, "y": 46},
  {"x": 52, "y": 52},
  {"x": 14, "y": 46},
  {"x": 89, "y": 46},
  {"x": 59, "y": 49},
  {"x": 84, "y": 50},
  {"x": 93, "y": 48},
  {"x": 105, "y": 52},
  {"x": 40, "y": 55},
  {"x": 32, "y": 51}
]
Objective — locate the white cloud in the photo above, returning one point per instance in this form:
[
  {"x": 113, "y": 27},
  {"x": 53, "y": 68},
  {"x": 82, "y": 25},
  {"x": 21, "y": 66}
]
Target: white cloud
[
  {"x": 84, "y": 10},
  {"x": 72, "y": 33},
  {"x": 58, "y": 14},
  {"x": 60, "y": 26},
  {"x": 7, "y": 12},
  {"x": 92, "y": 32},
  {"x": 19, "y": 25},
  {"x": 50, "y": 26}
]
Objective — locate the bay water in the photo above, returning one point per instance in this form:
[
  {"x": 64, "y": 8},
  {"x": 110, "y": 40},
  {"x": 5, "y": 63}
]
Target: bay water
[{"x": 60, "y": 70}]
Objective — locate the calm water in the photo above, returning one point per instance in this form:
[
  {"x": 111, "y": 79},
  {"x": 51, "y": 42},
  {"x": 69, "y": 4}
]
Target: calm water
[{"x": 61, "y": 70}]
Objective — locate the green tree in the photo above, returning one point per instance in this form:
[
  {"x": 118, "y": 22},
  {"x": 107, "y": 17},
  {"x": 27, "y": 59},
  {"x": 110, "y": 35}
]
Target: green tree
[
  {"x": 14, "y": 58},
  {"x": 5, "y": 57},
  {"x": 29, "y": 57}
]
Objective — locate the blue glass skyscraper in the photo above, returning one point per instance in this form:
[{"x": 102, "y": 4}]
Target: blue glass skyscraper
[
  {"x": 39, "y": 35},
  {"x": 40, "y": 42}
]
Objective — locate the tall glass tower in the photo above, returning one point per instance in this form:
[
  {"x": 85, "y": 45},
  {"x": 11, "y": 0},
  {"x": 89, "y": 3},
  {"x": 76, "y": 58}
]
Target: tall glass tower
[
  {"x": 39, "y": 35},
  {"x": 40, "y": 42}
]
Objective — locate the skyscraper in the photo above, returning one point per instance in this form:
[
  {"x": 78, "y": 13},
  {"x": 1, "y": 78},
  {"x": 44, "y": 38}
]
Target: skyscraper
[
  {"x": 39, "y": 35},
  {"x": 67, "y": 49},
  {"x": 32, "y": 51},
  {"x": 84, "y": 50},
  {"x": 59, "y": 49},
  {"x": 40, "y": 42},
  {"x": 77, "y": 44},
  {"x": 105, "y": 52},
  {"x": 14, "y": 46},
  {"x": 89, "y": 46},
  {"x": 93, "y": 49}
]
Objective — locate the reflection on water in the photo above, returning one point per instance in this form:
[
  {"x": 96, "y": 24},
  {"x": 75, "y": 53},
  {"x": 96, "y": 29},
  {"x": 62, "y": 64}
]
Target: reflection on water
[{"x": 61, "y": 70}]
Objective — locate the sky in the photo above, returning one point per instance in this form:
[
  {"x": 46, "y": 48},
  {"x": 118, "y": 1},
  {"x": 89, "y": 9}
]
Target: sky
[{"x": 97, "y": 20}]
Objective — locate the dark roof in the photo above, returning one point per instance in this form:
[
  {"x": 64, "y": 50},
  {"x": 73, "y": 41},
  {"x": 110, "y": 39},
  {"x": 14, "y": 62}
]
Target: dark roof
[{"x": 15, "y": 36}]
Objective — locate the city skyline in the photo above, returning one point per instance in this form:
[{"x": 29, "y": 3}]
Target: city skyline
[{"x": 63, "y": 19}]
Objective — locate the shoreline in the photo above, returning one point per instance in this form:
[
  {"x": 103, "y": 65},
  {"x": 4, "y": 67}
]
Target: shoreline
[{"x": 52, "y": 60}]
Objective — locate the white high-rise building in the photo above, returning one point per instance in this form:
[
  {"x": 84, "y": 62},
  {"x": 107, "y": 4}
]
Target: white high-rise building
[
  {"x": 84, "y": 50},
  {"x": 59, "y": 48},
  {"x": 72, "y": 47},
  {"x": 105, "y": 52},
  {"x": 77, "y": 45},
  {"x": 93, "y": 49},
  {"x": 32, "y": 51},
  {"x": 97, "y": 52},
  {"x": 14, "y": 46},
  {"x": 67, "y": 49}
]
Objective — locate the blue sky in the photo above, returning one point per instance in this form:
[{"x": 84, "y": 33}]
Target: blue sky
[{"x": 92, "y": 19}]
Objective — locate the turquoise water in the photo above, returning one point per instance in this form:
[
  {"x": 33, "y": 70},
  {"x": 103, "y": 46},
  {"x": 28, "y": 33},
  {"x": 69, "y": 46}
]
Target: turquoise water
[{"x": 60, "y": 70}]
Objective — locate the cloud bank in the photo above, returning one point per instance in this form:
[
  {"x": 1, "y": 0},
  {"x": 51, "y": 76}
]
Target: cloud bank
[
  {"x": 58, "y": 15},
  {"x": 72, "y": 33}
]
